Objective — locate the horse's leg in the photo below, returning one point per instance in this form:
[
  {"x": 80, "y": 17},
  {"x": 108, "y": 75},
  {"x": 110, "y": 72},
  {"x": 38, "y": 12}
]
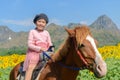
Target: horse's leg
[{"x": 14, "y": 72}]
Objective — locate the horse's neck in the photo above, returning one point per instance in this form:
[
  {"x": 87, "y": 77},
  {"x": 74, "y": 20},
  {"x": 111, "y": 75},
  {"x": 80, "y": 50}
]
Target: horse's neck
[
  {"x": 68, "y": 61},
  {"x": 58, "y": 71},
  {"x": 65, "y": 68}
]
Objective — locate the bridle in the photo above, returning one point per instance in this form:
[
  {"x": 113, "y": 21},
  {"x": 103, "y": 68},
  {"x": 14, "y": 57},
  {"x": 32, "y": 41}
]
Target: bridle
[{"x": 85, "y": 62}]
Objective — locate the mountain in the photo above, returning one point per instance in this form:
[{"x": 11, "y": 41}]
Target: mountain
[
  {"x": 9, "y": 38},
  {"x": 103, "y": 29},
  {"x": 5, "y": 32},
  {"x": 104, "y": 22},
  {"x": 57, "y": 33}
]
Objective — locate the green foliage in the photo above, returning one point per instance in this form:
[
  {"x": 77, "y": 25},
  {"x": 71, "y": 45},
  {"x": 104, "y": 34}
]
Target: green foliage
[
  {"x": 112, "y": 74},
  {"x": 4, "y": 73},
  {"x": 17, "y": 50},
  {"x": 14, "y": 50},
  {"x": 105, "y": 37}
]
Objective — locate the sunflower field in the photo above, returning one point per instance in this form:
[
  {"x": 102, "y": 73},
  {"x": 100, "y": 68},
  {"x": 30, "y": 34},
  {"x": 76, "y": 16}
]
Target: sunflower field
[{"x": 111, "y": 54}]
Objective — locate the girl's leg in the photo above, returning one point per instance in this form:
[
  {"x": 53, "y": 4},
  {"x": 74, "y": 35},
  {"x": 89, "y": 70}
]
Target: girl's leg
[{"x": 29, "y": 71}]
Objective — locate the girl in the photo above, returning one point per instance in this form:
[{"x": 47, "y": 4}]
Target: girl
[{"x": 38, "y": 41}]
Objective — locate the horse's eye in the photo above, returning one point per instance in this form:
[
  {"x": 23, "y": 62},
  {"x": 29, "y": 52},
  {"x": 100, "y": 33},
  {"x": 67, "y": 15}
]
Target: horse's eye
[{"x": 80, "y": 46}]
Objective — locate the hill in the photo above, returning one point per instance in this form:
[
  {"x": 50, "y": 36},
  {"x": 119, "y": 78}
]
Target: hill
[
  {"x": 103, "y": 29},
  {"x": 9, "y": 38}
]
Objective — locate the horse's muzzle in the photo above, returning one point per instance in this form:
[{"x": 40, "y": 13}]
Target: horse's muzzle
[{"x": 100, "y": 70}]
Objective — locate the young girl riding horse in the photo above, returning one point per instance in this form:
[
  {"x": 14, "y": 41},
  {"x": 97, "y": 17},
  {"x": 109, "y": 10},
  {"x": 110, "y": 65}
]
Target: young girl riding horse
[{"x": 38, "y": 41}]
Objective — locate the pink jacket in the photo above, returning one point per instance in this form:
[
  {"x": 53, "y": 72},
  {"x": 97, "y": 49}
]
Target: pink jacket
[{"x": 36, "y": 41}]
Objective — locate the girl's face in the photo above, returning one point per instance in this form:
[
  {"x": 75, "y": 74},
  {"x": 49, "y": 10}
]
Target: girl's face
[{"x": 40, "y": 24}]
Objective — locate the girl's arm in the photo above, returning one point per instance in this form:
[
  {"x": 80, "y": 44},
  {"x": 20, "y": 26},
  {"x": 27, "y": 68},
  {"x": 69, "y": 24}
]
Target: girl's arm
[
  {"x": 31, "y": 42},
  {"x": 49, "y": 41}
]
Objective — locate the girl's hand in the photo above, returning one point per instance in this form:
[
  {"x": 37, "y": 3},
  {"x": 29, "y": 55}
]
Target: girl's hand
[{"x": 42, "y": 49}]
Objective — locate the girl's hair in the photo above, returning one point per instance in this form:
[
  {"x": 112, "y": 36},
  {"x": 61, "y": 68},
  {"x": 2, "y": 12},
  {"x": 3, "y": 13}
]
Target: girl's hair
[{"x": 41, "y": 16}]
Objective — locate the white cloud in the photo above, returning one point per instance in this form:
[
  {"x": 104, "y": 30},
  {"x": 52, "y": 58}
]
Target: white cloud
[
  {"x": 27, "y": 22},
  {"x": 83, "y": 22},
  {"x": 56, "y": 21}
]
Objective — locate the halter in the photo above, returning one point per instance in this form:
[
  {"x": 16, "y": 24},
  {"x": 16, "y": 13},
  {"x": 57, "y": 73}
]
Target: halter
[
  {"x": 65, "y": 66},
  {"x": 86, "y": 66}
]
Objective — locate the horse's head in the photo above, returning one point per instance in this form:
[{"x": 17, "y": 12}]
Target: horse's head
[{"x": 87, "y": 54}]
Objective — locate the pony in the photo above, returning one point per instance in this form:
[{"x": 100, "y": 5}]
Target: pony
[{"x": 79, "y": 51}]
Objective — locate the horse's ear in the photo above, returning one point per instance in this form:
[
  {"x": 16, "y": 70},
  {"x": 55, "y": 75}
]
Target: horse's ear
[{"x": 71, "y": 32}]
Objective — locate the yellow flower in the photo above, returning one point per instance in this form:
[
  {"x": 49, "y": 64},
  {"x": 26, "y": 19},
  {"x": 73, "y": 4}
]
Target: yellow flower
[{"x": 10, "y": 61}]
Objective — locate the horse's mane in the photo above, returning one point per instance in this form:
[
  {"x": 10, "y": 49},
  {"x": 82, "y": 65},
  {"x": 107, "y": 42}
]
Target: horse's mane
[{"x": 81, "y": 32}]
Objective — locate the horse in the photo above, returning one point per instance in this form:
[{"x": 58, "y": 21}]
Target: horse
[{"x": 78, "y": 52}]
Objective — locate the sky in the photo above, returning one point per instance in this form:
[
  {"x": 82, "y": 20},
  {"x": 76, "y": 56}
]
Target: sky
[{"x": 18, "y": 14}]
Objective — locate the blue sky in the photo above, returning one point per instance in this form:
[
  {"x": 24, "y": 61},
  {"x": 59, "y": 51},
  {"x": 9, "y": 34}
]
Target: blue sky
[{"x": 18, "y": 14}]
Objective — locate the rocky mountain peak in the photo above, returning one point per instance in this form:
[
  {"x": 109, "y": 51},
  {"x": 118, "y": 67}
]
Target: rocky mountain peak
[
  {"x": 104, "y": 22},
  {"x": 5, "y": 29},
  {"x": 103, "y": 29}
]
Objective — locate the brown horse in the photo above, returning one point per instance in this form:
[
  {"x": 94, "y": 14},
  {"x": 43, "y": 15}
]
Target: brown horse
[{"x": 78, "y": 52}]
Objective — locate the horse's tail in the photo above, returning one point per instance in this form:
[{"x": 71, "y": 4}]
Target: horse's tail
[{"x": 14, "y": 72}]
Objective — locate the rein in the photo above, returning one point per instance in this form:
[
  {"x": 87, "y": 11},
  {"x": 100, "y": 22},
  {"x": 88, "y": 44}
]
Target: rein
[
  {"x": 69, "y": 67},
  {"x": 86, "y": 66}
]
